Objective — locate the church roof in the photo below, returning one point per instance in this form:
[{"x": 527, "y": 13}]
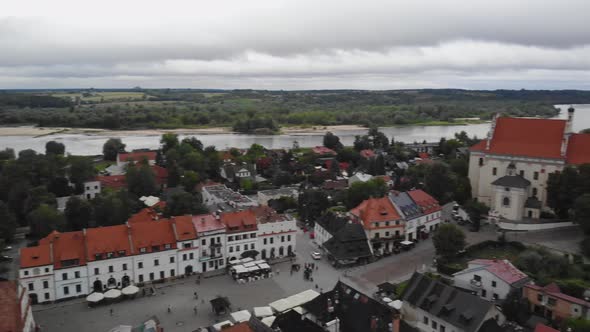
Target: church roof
[
  {"x": 578, "y": 149},
  {"x": 512, "y": 181}
]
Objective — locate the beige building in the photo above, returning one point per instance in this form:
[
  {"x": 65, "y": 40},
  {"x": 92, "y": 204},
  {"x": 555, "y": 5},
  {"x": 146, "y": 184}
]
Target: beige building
[{"x": 509, "y": 169}]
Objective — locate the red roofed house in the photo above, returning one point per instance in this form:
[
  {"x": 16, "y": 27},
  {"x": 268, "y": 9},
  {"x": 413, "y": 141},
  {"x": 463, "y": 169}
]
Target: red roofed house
[
  {"x": 212, "y": 241},
  {"x": 323, "y": 151},
  {"x": 136, "y": 156},
  {"x": 381, "y": 221},
  {"x": 491, "y": 279},
  {"x": 112, "y": 181},
  {"x": 16, "y": 314},
  {"x": 551, "y": 303},
  {"x": 509, "y": 169},
  {"x": 367, "y": 154},
  {"x": 241, "y": 232}
]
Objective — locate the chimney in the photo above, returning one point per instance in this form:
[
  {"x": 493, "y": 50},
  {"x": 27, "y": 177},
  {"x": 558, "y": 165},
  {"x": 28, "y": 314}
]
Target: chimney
[
  {"x": 129, "y": 237},
  {"x": 396, "y": 322}
]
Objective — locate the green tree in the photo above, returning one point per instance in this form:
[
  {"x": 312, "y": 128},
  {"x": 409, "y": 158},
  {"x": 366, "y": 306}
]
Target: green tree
[
  {"x": 312, "y": 203},
  {"x": 332, "y": 141},
  {"x": 514, "y": 307},
  {"x": 439, "y": 182},
  {"x": 255, "y": 152},
  {"x": 8, "y": 223},
  {"x": 247, "y": 184},
  {"x": 78, "y": 214},
  {"x": 55, "y": 148},
  {"x": 448, "y": 240},
  {"x": 184, "y": 203},
  {"x": 190, "y": 179},
  {"x": 141, "y": 180},
  {"x": 193, "y": 142},
  {"x": 562, "y": 190},
  {"x": 81, "y": 170},
  {"x": 113, "y": 207},
  {"x": 582, "y": 212},
  {"x": 169, "y": 141},
  {"x": 44, "y": 220},
  {"x": 360, "y": 191},
  {"x": 37, "y": 196},
  {"x": 475, "y": 210},
  {"x": 111, "y": 148}
]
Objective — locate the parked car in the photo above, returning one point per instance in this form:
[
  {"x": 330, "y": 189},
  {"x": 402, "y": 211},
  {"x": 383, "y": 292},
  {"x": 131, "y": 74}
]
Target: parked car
[
  {"x": 316, "y": 255},
  {"x": 5, "y": 258},
  {"x": 8, "y": 248}
]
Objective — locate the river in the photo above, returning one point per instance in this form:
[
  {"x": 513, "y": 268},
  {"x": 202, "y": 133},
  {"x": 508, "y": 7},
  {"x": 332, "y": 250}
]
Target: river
[{"x": 88, "y": 144}]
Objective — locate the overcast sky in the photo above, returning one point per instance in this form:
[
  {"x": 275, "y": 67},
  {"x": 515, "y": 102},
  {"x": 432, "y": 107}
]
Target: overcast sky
[{"x": 299, "y": 44}]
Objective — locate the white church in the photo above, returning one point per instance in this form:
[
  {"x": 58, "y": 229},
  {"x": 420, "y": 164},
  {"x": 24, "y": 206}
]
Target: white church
[{"x": 509, "y": 169}]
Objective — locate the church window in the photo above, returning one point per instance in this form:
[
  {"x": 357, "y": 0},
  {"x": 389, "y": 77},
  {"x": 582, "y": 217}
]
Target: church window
[
  {"x": 494, "y": 171},
  {"x": 506, "y": 201}
]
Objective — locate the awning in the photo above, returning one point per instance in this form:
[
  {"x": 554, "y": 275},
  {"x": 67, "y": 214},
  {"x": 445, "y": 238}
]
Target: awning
[
  {"x": 253, "y": 268},
  {"x": 250, "y": 264},
  {"x": 130, "y": 290},
  {"x": 294, "y": 300},
  {"x": 241, "y": 316},
  {"x": 95, "y": 297},
  {"x": 407, "y": 243},
  {"x": 221, "y": 325},
  {"x": 240, "y": 269},
  {"x": 112, "y": 294},
  {"x": 269, "y": 320},
  {"x": 264, "y": 266},
  {"x": 262, "y": 311},
  {"x": 247, "y": 259}
]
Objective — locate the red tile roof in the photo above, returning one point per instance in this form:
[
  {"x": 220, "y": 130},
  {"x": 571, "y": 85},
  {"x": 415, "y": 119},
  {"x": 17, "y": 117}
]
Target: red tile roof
[
  {"x": 148, "y": 234},
  {"x": 553, "y": 290},
  {"x": 376, "y": 210},
  {"x": 578, "y": 149},
  {"x": 68, "y": 246},
  {"x": 147, "y": 214},
  {"x": 367, "y": 153},
  {"x": 207, "y": 223},
  {"x": 322, "y": 150},
  {"x": 103, "y": 240},
  {"x": 240, "y": 221},
  {"x": 544, "y": 328},
  {"x": 428, "y": 203},
  {"x": 241, "y": 327},
  {"x": 527, "y": 137},
  {"x": 137, "y": 156},
  {"x": 502, "y": 269},
  {"x": 112, "y": 181},
  {"x": 185, "y": 230},
  {"x": 35, "y": 256},
  {"x": 10, "y": 307},
  {"x": 423, "y": 155}
]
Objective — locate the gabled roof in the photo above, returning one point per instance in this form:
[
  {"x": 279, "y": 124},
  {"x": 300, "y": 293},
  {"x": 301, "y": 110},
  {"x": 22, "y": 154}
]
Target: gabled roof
[
  {"x": 375, "y": 210},
  {"x": 136, "y": 156},
  {"x": 239, "y": 221},
  {"x": 68, "y": 246},
  {"x": 458, "y": 308},
  {"x": 185, "y": 230},
  {"x": 428, "y": 203},
  {"x": 527, "y": 137},
  {"x": 350, "y": 242},
  {"x": 146, "y": 235},
  {"x": 10, "y": 307},
  {"x": 512, "y": 181},
  {"x": 206, "y": 223},
  {"x": 405, "y": 204},
  {"x": 103, "y": 240},
  {"x": 578, "y": 149},
  {"x": 147, "y": 214},
  {"x": 553, "y": 290},
  {"x": 112, "y": 181},
  {"x": 501, "y": 268},
  {"x": 331, "y": 222},
  {"x": 35, "y": 256}
]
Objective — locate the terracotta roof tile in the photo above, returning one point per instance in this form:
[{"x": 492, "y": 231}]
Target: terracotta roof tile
[
  {"x": 502, "y": 268},
  {"x": 10, "y": 308},
  {"x": 375, "y": 210},
  {"x": 578, "y": 149},
  {"x": 137, "y": 156},
  {"x": 35, "y": 256},
  {"x": 112, "y": 181},
  {"x": 103, "y": 240},
  {"x": 146, "y": 235},
  {"x": 207, "y": 223},
  {"x": 322, "y": 150},
  {"x": 240, "y": 221},
  {"x": 185, "y": 230},
  {"x": 68, "y": 246},
  {"x": 428, "y": 203}
]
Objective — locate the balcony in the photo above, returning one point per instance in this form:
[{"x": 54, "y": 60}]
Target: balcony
[{"x": 475, "y": 283}]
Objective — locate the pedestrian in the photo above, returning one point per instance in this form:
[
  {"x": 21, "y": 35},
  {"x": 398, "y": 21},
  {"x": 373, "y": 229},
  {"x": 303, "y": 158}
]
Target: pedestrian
[
  {"x": 111, "y": 311},
  {"x": 169, "y": 309},
  {"x": 196, "y": 296},
  {"x": 317, "y": 267},
  {"x": 195, "y": 310}
]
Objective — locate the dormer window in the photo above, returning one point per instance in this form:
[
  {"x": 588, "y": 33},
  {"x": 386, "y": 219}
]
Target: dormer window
[
  {"x": 98, "y": 256},
  {"x": 110, "y": 254},
  {"x": 142, "y": 250},
  {"x": 155, "y": 248},
  {"x": 121, "y": 253},
  {"x": 167, "y": 246}
]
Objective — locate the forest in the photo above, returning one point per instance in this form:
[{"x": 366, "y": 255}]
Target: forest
[{"x": 255, "y": 111}]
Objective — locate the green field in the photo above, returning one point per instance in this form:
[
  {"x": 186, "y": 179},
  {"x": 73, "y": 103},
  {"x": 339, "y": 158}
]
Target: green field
[{"x": 103, "y": 96}]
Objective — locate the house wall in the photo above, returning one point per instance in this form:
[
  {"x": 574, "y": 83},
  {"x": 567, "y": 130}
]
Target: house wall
[
  {"x": 91, "y": 189},
  {"x": 239, "y": 242},
  {"x": 75, "y": 286},
  {"x": 276, "y": 235},
  {"x": 560, "y": 310},
  {"x": 517, "y": 198},
  {"x": 213, "y": 247},
  {"x": 486, "y": 290},
  {"x": 320, "y": 235},
  {"x": 183, "y": 256},
  {"x": 25, "y": 308},
  {"x": 35, "y": 276}
]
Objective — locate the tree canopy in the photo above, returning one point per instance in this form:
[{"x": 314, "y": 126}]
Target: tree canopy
[{"x": 448, "y": 240}]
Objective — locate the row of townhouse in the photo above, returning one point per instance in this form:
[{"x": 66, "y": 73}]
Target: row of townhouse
[
  {"x": 398, "y": 216},
  {"x": 72, "y": 264}
]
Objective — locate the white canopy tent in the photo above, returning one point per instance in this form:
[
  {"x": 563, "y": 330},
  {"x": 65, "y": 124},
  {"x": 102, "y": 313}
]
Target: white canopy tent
[
  {"x": 294, "y": 300},
  {"x": 241, "y": 316},
  {"x": 249, "y": 264},
  {"x": 112, "y": 294},
  {"x": 221, "y": 325},
  {"x": 95, "y": 297},
  {"x": 239, "y": 269},
  {"x": 262, "y": 311},
  {"x": 269, "y": 320},
  {"x": 130, "y": 290},
  {"x": 264, "y": 266}
]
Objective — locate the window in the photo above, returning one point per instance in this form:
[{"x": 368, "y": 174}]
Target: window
[
  {"x": 495, "y": 296},
  {"x": 156, "y": 262},
  {"x": 484, "y": 293},
  {"x": 245, "y": 247},
  {"x": 171, "y": 259},
  {"x": 110, "y": 254},
  {"x": 396, "y": 233},
  {"x": 64, "y": 276},
  {"x": 493, "y": 284},
  {"x": 191, "y": 256},
  {"x": 480, "y": 161},
  {"x": 151, "y": 276},
  {"x": 506, "y": 189},
  {"x": 167, "y": 246},
  {"x": 551, "y": 301},
  {"x": 387, "y": 223},
  {"x": 442, "y": 328},
  {"x": 253, "y": 235},
  {"x": 124, "y": 268},
  {"x": 434, "y": 325},
  {"x": 386, "y": 234},
  {"x": 397, "y": 222},
  {"x": 237, "y": 248},
  {"x": 111, "y": 268},
  {"x": 98, "y": 256},
  {"x": 271, "y": 240},
  {"x": 264, "y": 241},
  {"x": 425, "y": 320},
  {"x": 288, "y": 237},
  {"x": 27, "y": 272},
  {"x": 45, "y": 284},
  {"x": 78, "y": 288},
  {"x": 172, "y": 273},
  {"x": 77, "y": 274},
  {"x": 47, "y": 296},
  {"x": 540, "y": 297},
  {"x": 522, "y": 173},
  {"x": 230, "y": 238},
  {"x": 155, "y": 248},
  {"x": 535, "y": 192},
  {"x": 238, "y": 237},
  {"x": 140, "y": 265},
  {"x": 141, "y": 278},
  {"x": 231, "y": 249},
  {"x": 142, "y": 250},
  {"x": 96, "y": 271},
  {"x": 46, "y": 270},
  {"x": 66, "y": 290},
  {"x": 31, "y": 286},
  {"x": 186, "y": 245},
  {"x": 162, "y": 275},
  {"x": 536, "y": 176},
  {"x": 203, "y": 242},
  {"x": 251, "y": 246},
  {"x": 282, "y": 238},
  {"x": 184, "y": 257},
  {"x": 506, "y": 201},
  {"x": 494, "y": 171},
  {"x": 476, "y": 277},
  {"x": 376, "y": 224},
  {"x": 376, "y": 235}
]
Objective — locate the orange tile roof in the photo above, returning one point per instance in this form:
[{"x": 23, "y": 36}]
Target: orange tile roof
[
  {"x": 241, "y": 327},
  {"x": 103, "y": 240},
  {"x": 148, "y": 214},
  {"x": 206, "y": 223},
  {"x": 112, "y": 181},
  {"x": 10, "y": 307},
  {"x": 375, "y": 210},
  {"x": 428, "y": 203},
  {"x": 322, "y": 150},
  {"x": 237, "y": 221},
  {"x": 68, "y": 246},
  {"x": 137, "y": 156},
  {"x": 148, "y": 234},
  {"x": 185, "y": 230},
  {"x": 35, "y": 256},
  {"x": 578, "y": 149},
  {"x": 527, "y": 137}
]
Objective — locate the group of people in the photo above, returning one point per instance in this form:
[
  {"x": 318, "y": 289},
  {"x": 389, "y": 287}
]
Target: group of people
[{"x": 308, "y": 270}]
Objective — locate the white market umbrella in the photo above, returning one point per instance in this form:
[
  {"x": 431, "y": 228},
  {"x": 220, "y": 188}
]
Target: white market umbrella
[
  {"x": 397, "y": 304},
  {"x": 112, "y": 294},
  {"x": 387, "y": 300},
  {"x": 241, "y": 316},
  {"x": 262, "y": 311},
  {"x": 130, "y": 290},
  {"x": 95, "y": 297}
]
